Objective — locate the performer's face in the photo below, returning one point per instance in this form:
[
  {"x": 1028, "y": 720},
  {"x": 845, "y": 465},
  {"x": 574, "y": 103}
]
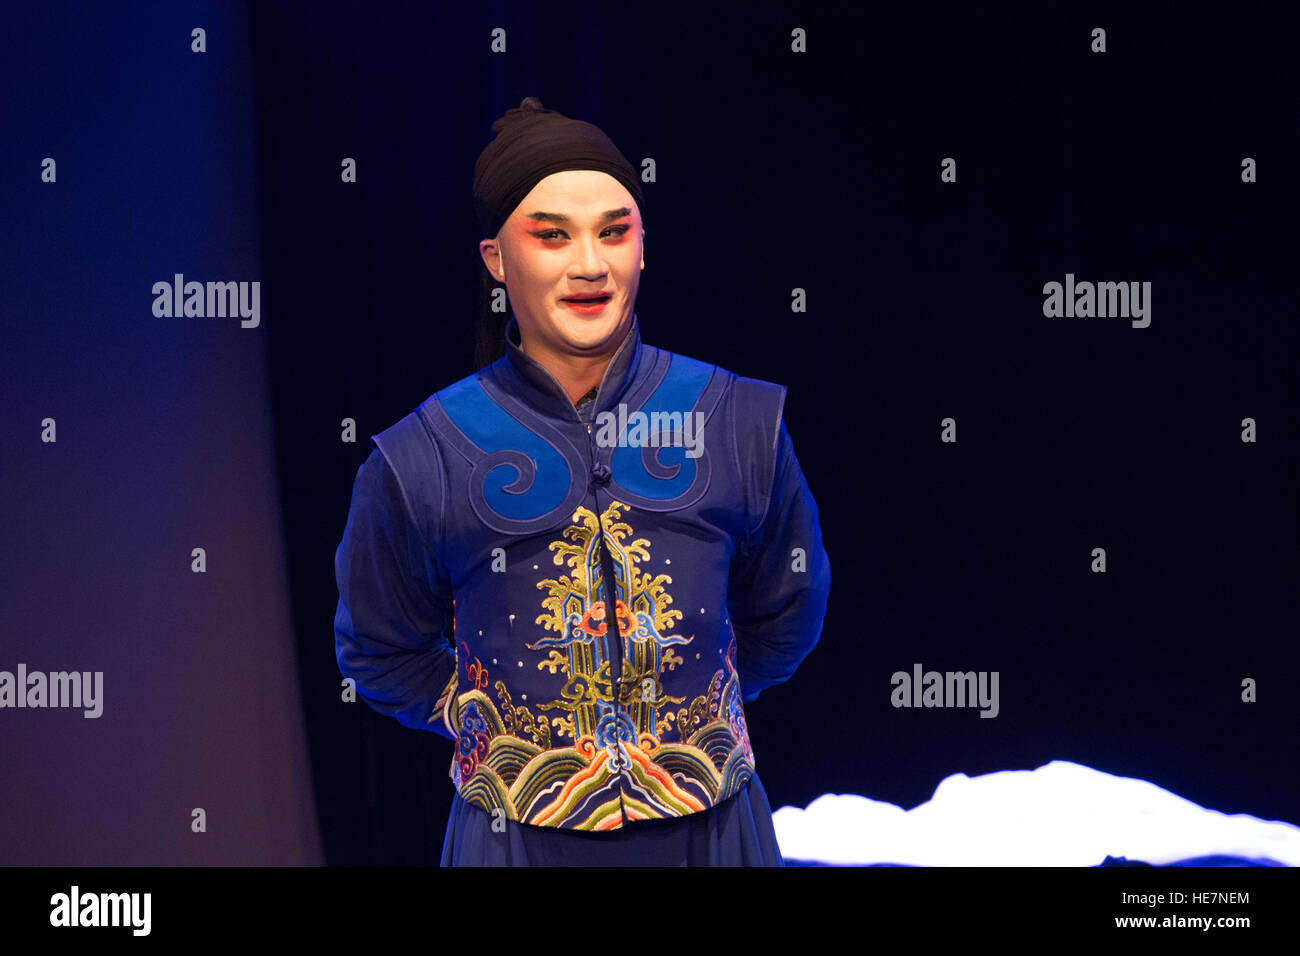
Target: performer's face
[{"x": 578, "y": 231}]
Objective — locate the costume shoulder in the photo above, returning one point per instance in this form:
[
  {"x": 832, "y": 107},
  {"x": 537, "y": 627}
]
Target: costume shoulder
[
  {"x": 757, "y": 407},
  {"x": 753, "y": 410},
  {"x": 756, "y": 403},
  {"x": 411, "y": 451}
]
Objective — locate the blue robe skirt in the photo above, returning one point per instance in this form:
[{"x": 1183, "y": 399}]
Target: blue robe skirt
[{"x": 736, "y": 832}]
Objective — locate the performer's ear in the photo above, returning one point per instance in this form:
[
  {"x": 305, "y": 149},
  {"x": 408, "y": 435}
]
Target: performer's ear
[{"x": 490, "y": 251}]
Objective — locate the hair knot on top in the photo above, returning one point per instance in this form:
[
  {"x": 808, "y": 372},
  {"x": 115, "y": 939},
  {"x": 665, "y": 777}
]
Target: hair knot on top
[{"x": 530, "y": 106}]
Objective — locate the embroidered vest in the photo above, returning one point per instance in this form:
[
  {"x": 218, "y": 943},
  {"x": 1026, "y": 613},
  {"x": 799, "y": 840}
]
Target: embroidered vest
[{"x": 596, "y": 660}]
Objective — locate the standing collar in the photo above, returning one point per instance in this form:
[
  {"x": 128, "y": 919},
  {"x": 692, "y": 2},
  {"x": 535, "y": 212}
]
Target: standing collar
[{"x": 528, "y": 378}]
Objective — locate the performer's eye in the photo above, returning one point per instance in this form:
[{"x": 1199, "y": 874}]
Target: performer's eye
[{"x": 549, "y": 234}]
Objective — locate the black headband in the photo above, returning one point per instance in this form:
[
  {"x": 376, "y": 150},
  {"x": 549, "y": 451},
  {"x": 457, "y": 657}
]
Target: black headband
[{"x": 531, "y": 143}]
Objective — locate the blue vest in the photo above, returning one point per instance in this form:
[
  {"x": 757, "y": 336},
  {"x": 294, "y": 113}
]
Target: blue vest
[{"x": 500, "y": 536}]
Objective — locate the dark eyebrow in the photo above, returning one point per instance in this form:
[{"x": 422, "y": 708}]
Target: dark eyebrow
[{"x": 556, "y": 217}]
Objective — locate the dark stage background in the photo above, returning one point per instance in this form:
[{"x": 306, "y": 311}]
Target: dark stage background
[{"x": 775, "y": 171}]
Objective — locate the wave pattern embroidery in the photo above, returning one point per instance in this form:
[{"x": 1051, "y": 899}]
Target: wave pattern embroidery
[{"x": 656, "y": 755}]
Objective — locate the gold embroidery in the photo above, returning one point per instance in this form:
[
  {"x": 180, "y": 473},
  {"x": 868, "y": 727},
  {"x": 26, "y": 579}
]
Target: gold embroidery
[
  {"x": 520, "y": 720},
  {"x": 619, "y": 756}
]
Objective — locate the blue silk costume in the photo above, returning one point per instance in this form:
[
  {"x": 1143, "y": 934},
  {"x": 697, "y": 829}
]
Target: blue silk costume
[{"x": 472, "y": 570}]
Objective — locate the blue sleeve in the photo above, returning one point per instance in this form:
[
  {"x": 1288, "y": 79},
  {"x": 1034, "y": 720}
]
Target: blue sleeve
[
  {"x": 393, "y": 628},
  {"x": 780, "y": 581}
]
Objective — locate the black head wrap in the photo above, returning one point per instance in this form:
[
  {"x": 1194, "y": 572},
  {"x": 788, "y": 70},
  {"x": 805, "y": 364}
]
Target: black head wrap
[{"x": 531, "y": 143}]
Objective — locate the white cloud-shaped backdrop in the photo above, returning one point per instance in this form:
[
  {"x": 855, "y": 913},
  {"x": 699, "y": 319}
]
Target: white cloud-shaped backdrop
[{"x": 1061, "y": 814}]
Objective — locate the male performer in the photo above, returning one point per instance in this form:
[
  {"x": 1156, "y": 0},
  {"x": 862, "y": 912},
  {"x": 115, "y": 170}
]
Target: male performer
[{"x": 580, "y": 561}]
